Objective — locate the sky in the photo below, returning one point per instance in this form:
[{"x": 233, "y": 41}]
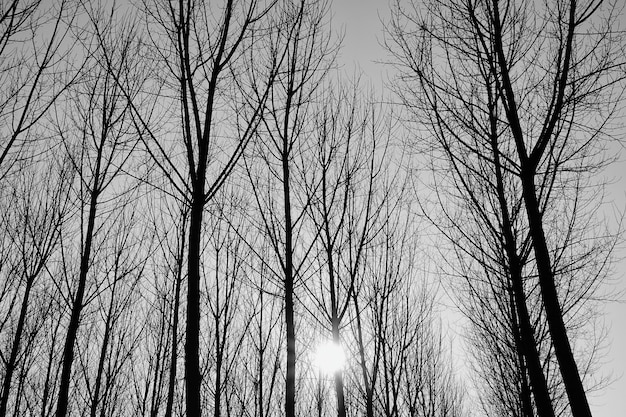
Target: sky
[{"x": 360, "y": 22}]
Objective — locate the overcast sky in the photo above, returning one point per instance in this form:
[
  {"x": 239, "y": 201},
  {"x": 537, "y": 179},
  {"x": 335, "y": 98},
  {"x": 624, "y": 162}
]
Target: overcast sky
[{"x": 360, "y": 21}]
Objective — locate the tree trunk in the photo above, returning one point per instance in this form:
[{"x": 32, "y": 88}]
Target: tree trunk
[
  {"x": 525, "y": 394},
  {"x": 554, "y": 315},
  {"x": 103, "y": 352},
  {"x": 172, "y": 375},
  {"x": 193, "y": 379},
  {"x": 531, "y": 354},
  {"x": 341, "y": 402},
  {"x": 558, "y": 333},
  {"x": 290, "y": 380},
  {"x": 339, "y": 391},
  {"x": 10, "y": 364},
  {"x": 369, "y": 389}
]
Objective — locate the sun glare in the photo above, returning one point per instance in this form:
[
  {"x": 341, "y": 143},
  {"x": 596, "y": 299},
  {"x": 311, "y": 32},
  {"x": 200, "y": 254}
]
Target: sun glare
[{"x": 329, "y": 358}]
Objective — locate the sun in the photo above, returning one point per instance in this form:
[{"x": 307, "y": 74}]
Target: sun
[{"x": 329, "y": 358}]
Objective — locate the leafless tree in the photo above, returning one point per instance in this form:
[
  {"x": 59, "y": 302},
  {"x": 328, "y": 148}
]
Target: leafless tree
[
  {"x": 520, "y": 88},
  {"x": 202, "y": 64}
]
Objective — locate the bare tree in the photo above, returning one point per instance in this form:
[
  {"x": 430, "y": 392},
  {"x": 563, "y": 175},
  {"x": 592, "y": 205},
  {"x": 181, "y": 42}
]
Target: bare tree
[
  {"x": 495, "y": 241},
  {"x": 475, "y": 72},
  {"x": 284, "y": 153},
  {"x": 194, "y": 147}
]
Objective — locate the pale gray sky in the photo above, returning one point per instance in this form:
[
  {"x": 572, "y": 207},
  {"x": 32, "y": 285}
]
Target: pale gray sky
[{"x": 360, "y": 20}]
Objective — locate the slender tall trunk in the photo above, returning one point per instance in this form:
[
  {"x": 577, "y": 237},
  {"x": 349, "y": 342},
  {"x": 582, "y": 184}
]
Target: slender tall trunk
[
  {"x": 157, "y": 374},
  {"x": 531, "y": 354},
  {"x": 193, "y": 378},
  {"x": 369, "y": 389},
  {"x": 525, "y": 392},
  {"x": 103, "y": 352},
  {"x": 18, "y": 411},
  {"x": 219, "y": 351},
  {"x": 339, "y": 391},
  {"x": 174, "y": 354},
  {"x": 77, "y": 304},
  {"x": 11, "y": 362},
  {"x": 259, "y": 391},
  {"x": 290, "y": 380},
  {"x": 554, "y": 315},
  {"x": 319, "y": 400},
  {"x": 46, "y": 409}
]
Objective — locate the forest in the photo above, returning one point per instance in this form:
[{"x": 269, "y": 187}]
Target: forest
[{"x": 202, "y": 213}]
